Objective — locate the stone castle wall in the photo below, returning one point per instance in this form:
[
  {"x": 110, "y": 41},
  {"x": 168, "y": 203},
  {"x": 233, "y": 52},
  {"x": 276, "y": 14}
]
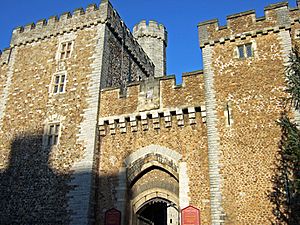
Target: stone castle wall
[
  {"x": 246, "y": 102},
  {"x": 57, "y": 185},
  {"x": 210, "y": 142},
  {"x": 123, "y": 68},
  {"x": 29, "y": 107},
  {"x": 80, "y": 19},
  {"x": 254, "y": 109},
  {"x": 176, "y": 125}
]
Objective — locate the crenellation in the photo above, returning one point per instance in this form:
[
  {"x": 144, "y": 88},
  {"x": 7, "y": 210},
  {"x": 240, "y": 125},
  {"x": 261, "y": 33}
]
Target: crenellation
[
  {"x": 276, "y": 6},
  {"x": 276, "y": 15},
  {"x": 40, "y": 24},
  {"x": 171, "y": 95},
  {"x": 54, "y": 25},
  {"x": 78, "y": 12},
  {"x": 64, "y": 17},
  {"x": 29, "y": 27},
  {"x": 131, "y": 135},
  {"x": 93, "y": 15},
  {"x": 91, "y": 8},
  {"x": 4, "y": 56},
  {"x": 52, "y": 21},
  {"x": 153, "y": 29},
  {"x": 242, "y": 14},
  {"x": 153, "y": 39}
]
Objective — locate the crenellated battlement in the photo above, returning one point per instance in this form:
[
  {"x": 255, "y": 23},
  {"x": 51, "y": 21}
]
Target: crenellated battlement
[
  {"x": 153, "y": 29},
  {"x": 4, "y": 56},
  {"x": 153, "y": 38},
  {"x": 122, "y": 114},
  {"x": 55, "y": 25},
  {"x": 81, "y": 19},
  {"x": 276, "y": 16},
  {"x": 164, "y": 90}
]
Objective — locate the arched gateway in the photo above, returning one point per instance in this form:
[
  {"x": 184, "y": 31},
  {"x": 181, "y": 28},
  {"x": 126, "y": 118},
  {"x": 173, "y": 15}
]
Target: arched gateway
[{"x": 153, "y": 186}]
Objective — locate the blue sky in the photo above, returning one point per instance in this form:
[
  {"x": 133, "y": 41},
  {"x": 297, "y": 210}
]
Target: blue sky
[{"x": 179, "y": 16}]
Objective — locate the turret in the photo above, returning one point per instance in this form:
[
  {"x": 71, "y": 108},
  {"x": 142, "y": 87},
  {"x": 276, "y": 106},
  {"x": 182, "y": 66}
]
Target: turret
[{"x": 153, "y": 39}]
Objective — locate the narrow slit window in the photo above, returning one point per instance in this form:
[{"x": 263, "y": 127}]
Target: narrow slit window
[{"x": 228, "y": 114}]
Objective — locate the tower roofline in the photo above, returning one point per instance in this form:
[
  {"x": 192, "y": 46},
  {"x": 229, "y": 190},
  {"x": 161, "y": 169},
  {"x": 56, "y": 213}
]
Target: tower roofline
[{"x": 276, "y": 16}]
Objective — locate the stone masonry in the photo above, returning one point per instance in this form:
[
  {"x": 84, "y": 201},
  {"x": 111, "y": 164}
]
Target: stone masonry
[{"x": 90, "y": 122}]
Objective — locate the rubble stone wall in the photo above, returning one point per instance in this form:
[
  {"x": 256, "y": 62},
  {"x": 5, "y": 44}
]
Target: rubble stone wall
[
  {"x": 179, "y": 127},
  {"x": 254, "y": 89},
  {"x": 35, "y": 175}
]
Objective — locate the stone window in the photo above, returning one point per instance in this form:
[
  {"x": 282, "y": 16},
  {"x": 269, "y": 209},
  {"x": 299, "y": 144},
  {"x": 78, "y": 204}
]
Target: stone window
[
  {"x": 228, "y": 114},
  {"x": 65, "y": 50},
  {"x": 59, "y": 83},
  {"x": 245, "y": 51},
  {"x": 53, "y": 131}
]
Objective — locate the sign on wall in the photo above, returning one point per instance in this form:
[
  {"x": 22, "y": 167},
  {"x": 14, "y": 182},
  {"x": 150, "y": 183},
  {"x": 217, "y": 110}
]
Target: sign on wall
[
  {"x": 113, "y": 217},
  {"x": 190, "y": 216}
]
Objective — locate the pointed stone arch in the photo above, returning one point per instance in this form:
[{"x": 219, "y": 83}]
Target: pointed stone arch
[
  {"x": 152, "y": 156},
  {"x": 161, "y": 164}
]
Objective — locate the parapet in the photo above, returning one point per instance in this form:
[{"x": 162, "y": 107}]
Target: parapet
[
  {"x": 54, "y": 26},
  {"x": 170, "y": 95},
  {"x": 81, "y": 19},
  {"x": 153, "y": 29},
  {"x": 276, "y": 16},
  {"x": 4, "y": 56}
]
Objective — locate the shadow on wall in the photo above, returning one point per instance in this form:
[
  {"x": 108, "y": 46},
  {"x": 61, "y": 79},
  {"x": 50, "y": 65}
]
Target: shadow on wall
[
  {"x": 285, "y": 196},
  {"x": 31, "y": 192}
]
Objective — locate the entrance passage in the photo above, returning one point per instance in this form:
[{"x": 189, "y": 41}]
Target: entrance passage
[{"x": 157, "y": 212}]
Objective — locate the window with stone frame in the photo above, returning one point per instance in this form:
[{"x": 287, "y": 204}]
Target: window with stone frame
[
  {"x": 59, "y": 82},
  {"x": 245, "y": 51},
  {"x": 53, "y": 133},
  {"x": 65, "y": 50}
]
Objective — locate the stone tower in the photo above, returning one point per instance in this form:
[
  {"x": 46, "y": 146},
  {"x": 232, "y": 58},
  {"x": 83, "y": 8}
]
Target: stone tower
[{"x": 153, "y": 39}]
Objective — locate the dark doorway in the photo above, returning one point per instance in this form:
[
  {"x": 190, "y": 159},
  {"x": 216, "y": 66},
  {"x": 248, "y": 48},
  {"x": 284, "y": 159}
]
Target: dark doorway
[{"x": 154, "y": 213}]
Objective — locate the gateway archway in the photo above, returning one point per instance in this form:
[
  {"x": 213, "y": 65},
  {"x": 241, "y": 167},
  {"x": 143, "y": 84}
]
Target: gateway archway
[
  {"x": 157, "y": 211},
  {"x": 153, "y": 186}
]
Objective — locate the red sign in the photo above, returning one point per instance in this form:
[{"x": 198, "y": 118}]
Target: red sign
[
  {"x": 190, "y": 216},
  {"x": 113, "y": 217}
]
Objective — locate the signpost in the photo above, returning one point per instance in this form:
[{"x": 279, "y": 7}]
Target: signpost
[
  {"x": 113, "y": 217},
  {"x": 190, "y": 216}
]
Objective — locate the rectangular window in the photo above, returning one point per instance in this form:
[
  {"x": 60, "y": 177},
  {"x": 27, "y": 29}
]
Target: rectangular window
[
  {"x": 241, "y": 52},
  {"x": 245, "y": 51},
  {"x": 59, "y": 83},
  {"x": 249, "y": 50},
  {"x": 65, "y": 50},
  {"x": 53, "y": 134}
]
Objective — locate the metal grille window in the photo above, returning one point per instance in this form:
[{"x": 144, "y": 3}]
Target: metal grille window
[
  {"x": 65, "y": 50},
  {"x": 245, "y": 51},
  {"x": 59, "y": 83},
  {"x": 53, "y": 134}
]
